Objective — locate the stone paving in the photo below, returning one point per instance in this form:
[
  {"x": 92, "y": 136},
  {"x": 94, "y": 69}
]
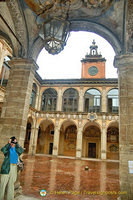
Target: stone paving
[
  {"x": 68, "y": 179},
  {"x": 23, "y": 197}
]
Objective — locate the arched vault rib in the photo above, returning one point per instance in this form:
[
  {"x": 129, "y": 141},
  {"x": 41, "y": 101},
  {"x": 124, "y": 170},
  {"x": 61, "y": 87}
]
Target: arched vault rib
[
  {"x": 78, "y": 25},
  {"x": 20, "y": 26},
  {"x": 84, "y": 25}
]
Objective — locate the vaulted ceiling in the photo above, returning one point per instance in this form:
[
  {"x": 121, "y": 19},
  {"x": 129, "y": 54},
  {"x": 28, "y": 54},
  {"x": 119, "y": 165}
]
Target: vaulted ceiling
[{"x": 20, "y": 22}]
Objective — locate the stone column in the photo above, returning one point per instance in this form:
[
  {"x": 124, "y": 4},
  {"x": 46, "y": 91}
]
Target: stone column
[
  {"x": 34, "y": 145},
  {"x": 56, "y": 141},
  {"x": 36, "y": 102},
  {"x": 17, "y": 99},
  {"x": 124, "y": 63},
  {"x": 39, "y": 101},
  {"x": 33, "y": 141},
  {"x": 103, "y": 142},
  {"x": 104, "y": 100},
  {"x": 59, "y": 100},
  {"x": 79, "y": 143},
  {"x": 81, "y": 100}
]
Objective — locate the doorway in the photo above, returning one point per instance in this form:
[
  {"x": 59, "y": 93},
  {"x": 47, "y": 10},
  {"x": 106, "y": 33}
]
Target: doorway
[
  {"x": 50, "y": 148},
  {"x": 92, "y": 150}
]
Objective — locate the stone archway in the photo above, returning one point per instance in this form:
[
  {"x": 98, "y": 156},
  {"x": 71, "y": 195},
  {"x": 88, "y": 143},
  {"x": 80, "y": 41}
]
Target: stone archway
[
  {"x": 113, "y": 141},
  {"x": 118, "y": 20},
  {"x": 45, "y": 138},
  {"x": 68, "y": 137},
  {"x": 91, "y": 141}
]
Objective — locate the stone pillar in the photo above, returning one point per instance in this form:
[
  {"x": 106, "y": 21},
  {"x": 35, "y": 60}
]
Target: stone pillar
[
  {"x": 33, "y": 141},
  {"x": 104, "y": 100},
  {"x": 81, "y": 100},
  {"x": 40, "y": 101},
  {"x": 17, "y": 99},
  {"x": 103, "y": 143},
  {"x": 56, "y": 141},
  {"x": 59, "y": 100},
  {"x": 124, "y": 63},
  {"x": 36, "y": 102},
  {"x": 79, "y": 143},
  {"x": 34, "y": 144}
]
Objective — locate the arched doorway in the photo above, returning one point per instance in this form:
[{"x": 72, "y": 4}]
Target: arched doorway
[
  {"x": 113, "y": 142},
  {"x": 45, "y": 138},
  {"x": 91, "y": 141},
  {"x": 68, "y": 137}
]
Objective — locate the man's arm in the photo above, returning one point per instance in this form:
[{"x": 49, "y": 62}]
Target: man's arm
[
  {"x": 5, "y": 149},
  {"x": 19, "y": 149}
]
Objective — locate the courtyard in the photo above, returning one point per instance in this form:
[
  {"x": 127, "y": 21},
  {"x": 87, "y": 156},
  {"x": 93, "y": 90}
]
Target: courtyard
[{"x": 68, "y": 178}]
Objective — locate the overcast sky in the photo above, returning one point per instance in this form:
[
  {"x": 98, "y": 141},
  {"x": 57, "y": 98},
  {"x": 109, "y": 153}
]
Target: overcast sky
[{"x": 67, "y": 64}]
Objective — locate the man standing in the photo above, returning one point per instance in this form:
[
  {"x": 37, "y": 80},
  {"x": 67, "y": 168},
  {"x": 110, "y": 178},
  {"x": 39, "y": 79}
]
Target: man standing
[{"x": 11, "y": 152}]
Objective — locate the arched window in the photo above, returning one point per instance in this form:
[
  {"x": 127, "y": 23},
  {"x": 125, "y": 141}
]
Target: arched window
[
  {"x": 4, "y": 76},
  {"x": 92, "y": 100},
  {"x": 33, "y": 95},
  {"x": 70, "y": 100},
  {"x": 113, "y": 102},
  {"x": 49, "y": 100}
]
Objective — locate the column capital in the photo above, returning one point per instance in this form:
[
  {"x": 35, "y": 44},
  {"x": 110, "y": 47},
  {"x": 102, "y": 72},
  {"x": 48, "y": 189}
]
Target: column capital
[
  {"x": 34, "y": 128},
  {"x": 23, "y": 61},
  {"x": 125, "y": 60},
  {"x": 80, "y": 130},
  {"x": 57, "y": 129}
]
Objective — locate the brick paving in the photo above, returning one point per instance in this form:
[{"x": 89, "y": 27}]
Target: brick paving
[{"x": 68, "y": 179}]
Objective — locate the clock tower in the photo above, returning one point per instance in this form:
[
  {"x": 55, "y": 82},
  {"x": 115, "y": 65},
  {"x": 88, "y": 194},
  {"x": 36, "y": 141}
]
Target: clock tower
[{"x": 93, "y": 65}]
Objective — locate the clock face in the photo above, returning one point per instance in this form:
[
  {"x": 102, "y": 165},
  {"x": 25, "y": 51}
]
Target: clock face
[{"x": 93, "y": 70}]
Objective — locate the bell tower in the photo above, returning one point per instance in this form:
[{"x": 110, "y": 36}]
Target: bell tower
[{"x": 93, "y": 65}]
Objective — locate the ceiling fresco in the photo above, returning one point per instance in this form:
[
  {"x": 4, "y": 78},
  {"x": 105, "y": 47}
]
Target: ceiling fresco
[{"x": 88, "y": 7}]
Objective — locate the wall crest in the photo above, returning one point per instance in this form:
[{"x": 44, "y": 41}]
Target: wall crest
[{"x": 92, "y": 116}]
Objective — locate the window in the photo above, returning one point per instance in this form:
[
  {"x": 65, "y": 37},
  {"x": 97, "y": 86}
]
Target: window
[
  {"x": 92, "y": 100},
  {"x": 52, "y": 132},
  {"x": 5, "y": 71},
  {"x": 49, "y": 100},
  {"x": 113, "y": 102},
  {"x": 70, "y": 100},
  {"x": 33, "y": 96}
]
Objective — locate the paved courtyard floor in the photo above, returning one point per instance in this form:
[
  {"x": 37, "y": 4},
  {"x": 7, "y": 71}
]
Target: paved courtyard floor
[{"x": 69, "y": 179}]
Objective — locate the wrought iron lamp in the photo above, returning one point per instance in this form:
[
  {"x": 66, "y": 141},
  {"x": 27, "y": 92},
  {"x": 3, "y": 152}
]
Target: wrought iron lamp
[
  {"x": 52, "y": 20},
  {"x": 56, "y": 33},
  {"x": 55, "y": 26}
]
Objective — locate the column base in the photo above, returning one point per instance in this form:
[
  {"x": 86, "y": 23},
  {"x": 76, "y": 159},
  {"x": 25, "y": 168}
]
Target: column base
[
  {"x": 78, "y": 158},
  {"x": 103, "y": 156},
  {"x": 78, "y": 154},
  {"x": 55, "y": 152}
]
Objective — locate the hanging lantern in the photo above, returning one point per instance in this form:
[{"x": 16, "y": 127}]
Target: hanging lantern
[{"x": 56, "y": 33}]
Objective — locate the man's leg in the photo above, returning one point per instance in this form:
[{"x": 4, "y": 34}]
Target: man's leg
[
  {"x": 12, "y": 180},
  {"x": 4, "y": 181}
]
